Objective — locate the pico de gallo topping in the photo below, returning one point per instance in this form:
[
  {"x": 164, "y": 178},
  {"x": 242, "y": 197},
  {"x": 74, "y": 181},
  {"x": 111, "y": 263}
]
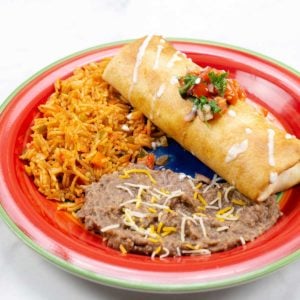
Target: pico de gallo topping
[{"x": 211, "y": 91}]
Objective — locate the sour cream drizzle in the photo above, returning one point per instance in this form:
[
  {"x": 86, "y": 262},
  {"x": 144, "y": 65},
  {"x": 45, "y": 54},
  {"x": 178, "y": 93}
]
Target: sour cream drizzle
[
  {"x": 273, "y": 177},
  {"x": 139, "y": 58},
  {"x": 248, "y": 130},
  {"x": 271, "y": 134},
  {"x": 157, "y": 95},
  {"x": 174, "y": 80},
  {"x": 160, "y": 90},
  {"x": 236, "y": 150},
  {"x": 158, "y": 52},
  {"x": 231, "y": 113},
  {"x": 173, "y": 59}
]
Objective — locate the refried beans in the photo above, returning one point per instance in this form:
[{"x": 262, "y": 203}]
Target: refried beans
[{"x": 162, "y": 213}]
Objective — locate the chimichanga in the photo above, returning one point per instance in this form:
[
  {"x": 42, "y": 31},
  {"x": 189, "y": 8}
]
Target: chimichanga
[{"x": 242, "y": 146}]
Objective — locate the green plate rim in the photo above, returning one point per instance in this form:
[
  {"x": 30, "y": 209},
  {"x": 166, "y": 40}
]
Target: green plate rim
[{"x": 141, "y": 286}]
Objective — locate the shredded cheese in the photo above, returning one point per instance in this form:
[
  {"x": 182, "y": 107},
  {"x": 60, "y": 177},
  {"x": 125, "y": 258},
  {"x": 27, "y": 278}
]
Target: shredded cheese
[
  {"x": 122, "y": 249},
  {"x": 222, "y": 228},
  {"x": 243, "y": 242},
  {"x": 214, "y": 182},
  {"x": 109, "y": 227},
  {"x": 142, "y": 171},
  {"x": 198, "y": 251},
  {"x": 227, "y": 191},
  {"x": 238, "y": 202},
  {"x": 125, "y": 189},
  {"x": 167, "y": 252},
  {"x": 202, "y": 200},
  {"x": 203, "y": 229},
  {"x": 155, "y": 252}
]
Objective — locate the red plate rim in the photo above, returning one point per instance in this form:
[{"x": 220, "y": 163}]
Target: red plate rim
[{"x": 119, "y": 272}]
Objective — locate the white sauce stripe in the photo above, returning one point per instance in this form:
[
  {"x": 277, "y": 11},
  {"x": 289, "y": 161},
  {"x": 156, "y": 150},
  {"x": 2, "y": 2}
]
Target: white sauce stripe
[
  {"x": 174, "y": 80},
  {"x": 271, "y": 135},
  {"x": 160, "y": 90},
  {"x": 231, "y": 113},
  {"x": 173, "y": 59},
  {"x": 158, "y": 52},
  {"x": 248, "y": 130},
  {"x": 235, "y": 150},
  {"x": 273, "y": 177},
  {"x": 139, "y": 58},
  {"x": 289, "y": 136}
]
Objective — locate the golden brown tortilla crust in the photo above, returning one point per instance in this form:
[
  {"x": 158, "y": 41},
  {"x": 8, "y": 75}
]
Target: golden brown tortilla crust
[{"x": 250, "y": 171}]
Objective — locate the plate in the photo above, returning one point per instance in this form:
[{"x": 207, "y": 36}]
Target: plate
[{"x": 61, "y": 239}]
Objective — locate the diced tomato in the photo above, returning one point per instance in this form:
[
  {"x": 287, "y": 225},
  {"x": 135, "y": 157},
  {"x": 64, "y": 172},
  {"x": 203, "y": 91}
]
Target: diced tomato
[
  {"x": 97, "y": 160},
  {"x": 200, "y": 90},
  {"x": 222, "y": 103},
  {"x": 147, "y": 160},
  {"x": 204, "y": 74},
  {"x": 150, "y": 161},
  {"x": 264, "y": 111}
]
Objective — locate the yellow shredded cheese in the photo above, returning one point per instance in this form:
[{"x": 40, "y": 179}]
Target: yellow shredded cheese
[
  {"x": 159, "y": 227},
  {"x": 224, "y": 210},
  {"x": 238, "y": 202},
  {"x": 199, "y": 185},
  {"x": 153, "y": 240},
  {"x": 202, "y": 200},
  {"x": 143, "y": 171},
  {"x": 152, "y": 210},
  {"x": 123, "y": 249},
  {"x": 169, "y": 229}
]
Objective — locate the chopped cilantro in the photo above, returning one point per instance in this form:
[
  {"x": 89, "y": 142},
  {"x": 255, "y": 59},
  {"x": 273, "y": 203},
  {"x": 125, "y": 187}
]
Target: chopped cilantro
[
  {"x": 215, "y": 108},
  {"x": 189, "y": 81},
  {"x": 200, "y": 102},
  {"x": 219, "y": 81}
]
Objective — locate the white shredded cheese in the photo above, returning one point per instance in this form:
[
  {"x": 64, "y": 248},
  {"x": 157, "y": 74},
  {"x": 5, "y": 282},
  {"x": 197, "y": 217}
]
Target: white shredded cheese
[
  {"x": 125, "y": 189},
  {"x": 243, "y": 242},
  {"x": 212, "y": 207},
  {"x": 190, "y": 181},
  {"x": 160, "y": 192},
  {"x": 128, "y": 202},
  {"x": 222, "y": 228},
  {"x": 174, "y": 194},
  {"x": 167, "y": 252},
  {"x": 182, "y": 229},
  {"x": 213, "y": 182},
  {"x": 202, "y": 226},
  {"x": 145, "y": 187},
  {"x": 197, "y": 251},
  {"x": 235, "y": 150},
  {"x": 229, "y": 189},
  {"x": 109, "y": 227}
]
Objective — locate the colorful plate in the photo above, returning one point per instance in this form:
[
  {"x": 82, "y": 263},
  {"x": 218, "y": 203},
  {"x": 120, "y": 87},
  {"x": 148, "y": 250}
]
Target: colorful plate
[{"x": 60, "y": 239}]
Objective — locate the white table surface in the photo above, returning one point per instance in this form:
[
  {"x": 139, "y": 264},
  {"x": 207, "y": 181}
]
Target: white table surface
[{"x": 35, "y": 33}]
